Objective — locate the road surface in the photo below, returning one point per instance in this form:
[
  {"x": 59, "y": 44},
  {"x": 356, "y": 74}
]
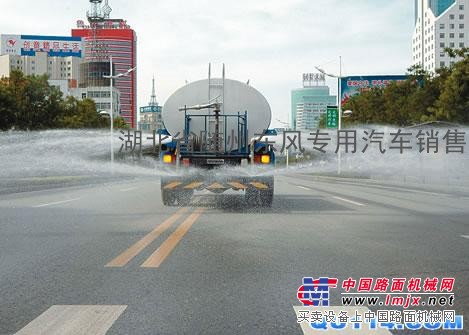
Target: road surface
[{"x": 108, "y": 257}]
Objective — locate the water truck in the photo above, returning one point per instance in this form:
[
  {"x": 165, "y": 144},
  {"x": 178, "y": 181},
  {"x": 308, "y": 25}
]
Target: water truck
[{"x": 217, "y": 124}]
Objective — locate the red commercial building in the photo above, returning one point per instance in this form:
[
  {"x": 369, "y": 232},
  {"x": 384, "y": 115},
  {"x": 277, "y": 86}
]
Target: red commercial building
[{"x": 113, "y": 37}]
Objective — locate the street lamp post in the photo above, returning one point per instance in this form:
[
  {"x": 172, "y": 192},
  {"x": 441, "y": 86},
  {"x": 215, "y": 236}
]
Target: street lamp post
[
  {"x": 339, "y": 78},
  {"x": 287, "y": 158},
  {"x": 340, "y": 92},
  {"x": 111, "y": 78},
  {"x": 339, "y": 99},
  {"x": 111, "y": 108}
]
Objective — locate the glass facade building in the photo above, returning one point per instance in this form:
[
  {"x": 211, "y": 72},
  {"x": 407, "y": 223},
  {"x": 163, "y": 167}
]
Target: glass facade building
[
  {"x": 150, "y": 118},
  {"x": 308, "y": 105},
  {"x": 439, "y": 6}
]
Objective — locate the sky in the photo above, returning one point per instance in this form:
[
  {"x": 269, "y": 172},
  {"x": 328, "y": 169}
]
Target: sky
[{"x": 269, "y": 42}]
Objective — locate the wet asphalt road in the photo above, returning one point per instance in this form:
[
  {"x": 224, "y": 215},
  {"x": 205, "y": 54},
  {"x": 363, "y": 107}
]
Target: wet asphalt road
[{"x": 218, "y": 267}]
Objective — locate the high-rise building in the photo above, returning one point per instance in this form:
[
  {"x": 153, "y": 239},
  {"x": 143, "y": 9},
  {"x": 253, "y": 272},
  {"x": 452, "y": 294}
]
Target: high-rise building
[
  {"x": 61, "y": 59},
  {"x": 57, "y": 68},
  {"x": 309, "y": 104},
  {"x": 439, "y": 24},
  {"x": 58, "y": 57},
  {"x": 105, "y": 37}
]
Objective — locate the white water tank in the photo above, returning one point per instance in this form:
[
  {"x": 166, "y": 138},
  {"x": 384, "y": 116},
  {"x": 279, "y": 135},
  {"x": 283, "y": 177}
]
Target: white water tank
[{"x": 235, "y": 97}]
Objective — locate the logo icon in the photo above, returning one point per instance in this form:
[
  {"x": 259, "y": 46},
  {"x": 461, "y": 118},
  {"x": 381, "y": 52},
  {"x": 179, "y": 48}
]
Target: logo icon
[
  {"x": 11, "y": 43},
  {"x": 315, "y": 292}
]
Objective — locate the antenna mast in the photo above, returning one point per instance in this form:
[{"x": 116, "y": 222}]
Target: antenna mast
[
  {"x": 153, "y": 101},
  {"x": 106, "y": 9},
  {"x": 96, "y": 18}
]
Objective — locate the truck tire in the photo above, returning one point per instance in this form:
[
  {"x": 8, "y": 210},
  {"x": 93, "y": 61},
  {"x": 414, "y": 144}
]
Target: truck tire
[
  {"x": 252, "y": 197},
  {"x": 260, "y": 198},
  {"x": 168, "y": 197},
  {"x": 266, "y": 198},
  {"x": 183, "y": 198}
]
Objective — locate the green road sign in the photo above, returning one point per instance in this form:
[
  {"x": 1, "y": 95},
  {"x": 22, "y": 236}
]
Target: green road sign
[{"x": 332, "y": 117}]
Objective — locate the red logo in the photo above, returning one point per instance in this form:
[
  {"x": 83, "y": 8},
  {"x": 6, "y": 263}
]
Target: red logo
[
  {"x": 11, "y": 43},
  {"x": 315, "y": 292}
]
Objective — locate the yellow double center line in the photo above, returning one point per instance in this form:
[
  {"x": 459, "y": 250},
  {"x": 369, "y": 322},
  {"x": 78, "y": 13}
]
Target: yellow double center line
[{"x": 158, "y": 257}]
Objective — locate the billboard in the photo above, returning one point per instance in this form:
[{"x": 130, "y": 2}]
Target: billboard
[
  {"x": 28, "y": 45},
  {"x": 150, "y": 109},
  {"x": 357, "y": 84}
]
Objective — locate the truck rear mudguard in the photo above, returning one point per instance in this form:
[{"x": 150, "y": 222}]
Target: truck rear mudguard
[{"x": 178, "y": 190}]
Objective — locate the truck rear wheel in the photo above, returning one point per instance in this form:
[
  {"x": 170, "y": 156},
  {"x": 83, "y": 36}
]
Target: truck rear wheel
[
  {"x": 168, "y": 197},
  {"x": 266, "y": 198},
  {"x": 184, "y": 197},
  {"x": 259, "y": 198},
  {"x": 251, "y": 196}
]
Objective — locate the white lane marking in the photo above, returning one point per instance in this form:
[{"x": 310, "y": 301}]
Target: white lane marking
[
  {"x": 465, "y": 236},
  {"x": 431, "y": 193},
  {"x": 129, "y": 189},
  {"x": 393, "y": 188},
  {"x": 56, "y": 203},
  {"x": 74, "y": 319},
  {"x": 308, "y": 330},
  {"x": 349, "y": 201},
  {"x": 303, "y": 188}
]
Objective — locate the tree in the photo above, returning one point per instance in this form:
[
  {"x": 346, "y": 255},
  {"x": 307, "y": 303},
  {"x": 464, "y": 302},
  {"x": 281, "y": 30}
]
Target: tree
[
  {"x": 17, "y": 84},
  {"x": 367, "y": 107},
  {"x": 119, "y": 123},
  {"x": 80, "y": 114},
  {"x": 443, "y": 96},
  {"x": 453, "y": 103},
  {"x": 29, "y": 102},
  {"x": 6, "y": 102}
]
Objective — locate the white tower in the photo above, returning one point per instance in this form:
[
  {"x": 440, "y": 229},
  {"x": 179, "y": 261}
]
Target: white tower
[{"x": 153, "y": 101}]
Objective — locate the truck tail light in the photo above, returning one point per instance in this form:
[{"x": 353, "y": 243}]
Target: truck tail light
[
  {"x": 262, "y": 159},
  {"x": 167, "y": 158},
  {"x": 265, "y": 159}
]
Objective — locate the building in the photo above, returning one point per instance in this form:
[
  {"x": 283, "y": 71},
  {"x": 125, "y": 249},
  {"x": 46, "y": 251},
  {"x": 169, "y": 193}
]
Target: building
[
  {"x": 59, "y": 57},
  {"x": 281, "y": 130},
  {"x": 113, "y": 37},
  {"x": 439, "y": 24},
  {"x": 100, "y": 95},
  {"x": 62, "y": 85},
  {"x": 309, "y": 104},
  {"x": 150, "y": 116}
]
